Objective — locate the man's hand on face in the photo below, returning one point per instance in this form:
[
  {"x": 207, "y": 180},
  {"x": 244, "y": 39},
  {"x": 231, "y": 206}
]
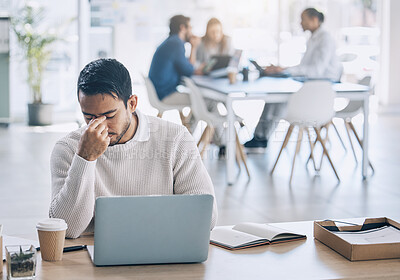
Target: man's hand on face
[
  {"x": 94, "y": 140},
  {"x": 195, "y": 41}
]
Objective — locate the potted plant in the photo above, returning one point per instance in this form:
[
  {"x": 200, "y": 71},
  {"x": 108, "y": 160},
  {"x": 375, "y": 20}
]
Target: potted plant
[
  {"x": 35, "y": 43},
  {"x": 21, "y": 262}
]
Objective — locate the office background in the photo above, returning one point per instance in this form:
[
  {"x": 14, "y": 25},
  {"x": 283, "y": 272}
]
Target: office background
[{"x": 266, "y": 30}]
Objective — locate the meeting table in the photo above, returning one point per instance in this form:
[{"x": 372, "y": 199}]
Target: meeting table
[{"x": 274, "y": 90}]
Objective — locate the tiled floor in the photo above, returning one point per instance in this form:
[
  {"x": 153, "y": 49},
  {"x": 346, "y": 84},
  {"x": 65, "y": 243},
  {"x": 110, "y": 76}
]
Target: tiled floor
[{"x": 25, "y": 180}]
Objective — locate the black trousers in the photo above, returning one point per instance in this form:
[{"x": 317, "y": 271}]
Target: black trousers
[{"x": 269, "y": 120}]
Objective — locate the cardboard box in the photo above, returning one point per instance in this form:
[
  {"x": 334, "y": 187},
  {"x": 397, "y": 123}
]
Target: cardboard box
[{"x": 323, "y": 231}]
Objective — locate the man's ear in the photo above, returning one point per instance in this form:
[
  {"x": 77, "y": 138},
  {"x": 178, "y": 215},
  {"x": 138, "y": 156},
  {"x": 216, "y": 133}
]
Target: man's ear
[
  {"x": 182, "y": 27},
  {"x": 132, "y": 103},
  {"x": 316, "y": 22}
]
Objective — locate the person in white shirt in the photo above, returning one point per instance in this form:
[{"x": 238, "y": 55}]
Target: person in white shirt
[
  {"x": 319, "y": 62},
  {"x": 120, "y": 152}
]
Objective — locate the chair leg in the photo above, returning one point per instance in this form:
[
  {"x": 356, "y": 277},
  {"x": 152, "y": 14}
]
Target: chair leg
[
  {"x": 351, "y": 142},
  {"x": 315, "y": 142},
  {"x": 188, "y": 119},
  {"x": 338, "y": 135},
  {"x": 207, "y": 139},
  {"x": 202, "y": 137},
  {"x": 311, "y": 150},
  {"x": 189, "y": 116},
  {"x": 159, "y": 115},
  {"x": 325, "y": 141},
  {"x": 299, "y": 139},
  {"x": 359, "y": 142},
  {"x": 184, "y": 120},
  {"x": 242, "y": 154},
  {"x": 237, "y": 157},
  {"x": 285, "y": 142},
  {"x": 325, "y": 151},
  {"x": 182, "y": 116}
]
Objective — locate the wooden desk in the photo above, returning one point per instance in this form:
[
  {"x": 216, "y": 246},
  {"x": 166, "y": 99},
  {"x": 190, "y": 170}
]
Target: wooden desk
[
  {"x": 274, "y": 90},
  {"x": 307, "y": 259}
]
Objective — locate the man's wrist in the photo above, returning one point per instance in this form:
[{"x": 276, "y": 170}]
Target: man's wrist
[{"x": 86, "y": 157}]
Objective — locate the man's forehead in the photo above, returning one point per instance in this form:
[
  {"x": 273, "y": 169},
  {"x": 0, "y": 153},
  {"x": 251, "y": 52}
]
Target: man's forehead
[
  {"x": 98, "y": 104},
  {"x": 102, "y": 94}
]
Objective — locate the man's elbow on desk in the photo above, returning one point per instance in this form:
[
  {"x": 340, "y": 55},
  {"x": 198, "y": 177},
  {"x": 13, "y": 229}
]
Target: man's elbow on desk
[{"x": 72, "y": 231}]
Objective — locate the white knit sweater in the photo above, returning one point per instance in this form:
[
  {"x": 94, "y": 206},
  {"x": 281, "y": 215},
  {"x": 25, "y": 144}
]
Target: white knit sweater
[{"x": 161, "y": 159}]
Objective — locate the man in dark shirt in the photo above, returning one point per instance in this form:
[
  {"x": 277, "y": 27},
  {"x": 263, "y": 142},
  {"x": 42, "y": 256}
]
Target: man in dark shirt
[{"x": 169, "y": 63}]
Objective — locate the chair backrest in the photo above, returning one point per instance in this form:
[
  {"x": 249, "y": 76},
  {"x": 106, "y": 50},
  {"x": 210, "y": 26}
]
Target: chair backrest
[
  {"x": 347, "y": 57},
  {"x": 198, "y": 105},
  {"x": 366, "y": 81},
  {"x": 152, "y": 93},
  {"x": 155, "y": 100},
  {"x": 354, "y": 106},
  {"x": 312, "y": 105}
]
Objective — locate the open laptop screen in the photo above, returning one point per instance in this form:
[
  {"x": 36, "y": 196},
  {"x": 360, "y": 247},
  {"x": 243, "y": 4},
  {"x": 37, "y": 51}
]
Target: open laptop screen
[{"x": 152, "y": 229}]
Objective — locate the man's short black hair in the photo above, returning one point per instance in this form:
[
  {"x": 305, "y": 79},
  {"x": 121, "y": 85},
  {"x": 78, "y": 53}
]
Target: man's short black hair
[
  {"x": 312, "y": 12},
  {"x": 175, "y": 23},
  {"x": 105, "y": 76}
]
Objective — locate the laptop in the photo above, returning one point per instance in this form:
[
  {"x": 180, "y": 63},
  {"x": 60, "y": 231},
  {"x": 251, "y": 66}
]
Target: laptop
[
  {"x": 151, "y": 229},
  {"x": 283, "y": 74},
  {"x": 217, "y": 62},
  {"x": 233, "y": 63}
]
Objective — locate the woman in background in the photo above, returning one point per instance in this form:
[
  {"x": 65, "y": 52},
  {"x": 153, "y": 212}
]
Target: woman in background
[{"x": 214, "y": 42}]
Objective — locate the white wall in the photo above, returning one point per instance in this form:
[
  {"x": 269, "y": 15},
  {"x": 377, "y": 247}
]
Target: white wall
[{"x": 388, "y": 83}]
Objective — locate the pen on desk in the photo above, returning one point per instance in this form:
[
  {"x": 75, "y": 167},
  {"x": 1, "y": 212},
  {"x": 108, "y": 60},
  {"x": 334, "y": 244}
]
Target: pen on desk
[{"x": 74, "y": 248}]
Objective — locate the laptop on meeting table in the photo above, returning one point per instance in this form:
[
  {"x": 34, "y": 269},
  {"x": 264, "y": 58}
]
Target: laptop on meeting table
[
  {"x": 151, "y": 229},
  {"x": 283, "y": 74},
  {"x": 216, "y": 62},
  {"x": 223, "y": 71},
  {"x": 286, "y": 74}
]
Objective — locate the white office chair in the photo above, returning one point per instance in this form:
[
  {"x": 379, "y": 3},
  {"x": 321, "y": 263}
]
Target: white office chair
[
  {"x": 200, "y": 112},
  {"x": 310, "y": 107},
  {"x": 161, "y": 106},
  {"x": 353, "y": 108}
]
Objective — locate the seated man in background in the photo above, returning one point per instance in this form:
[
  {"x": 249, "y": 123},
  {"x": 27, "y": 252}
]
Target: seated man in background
[
  {"x": 319, "y": 62},
  {"x": 121, "y": 152},
  {"x": 169, "y": 63}
]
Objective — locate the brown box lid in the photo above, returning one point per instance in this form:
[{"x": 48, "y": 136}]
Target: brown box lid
[{"x": 323, "y": 231}]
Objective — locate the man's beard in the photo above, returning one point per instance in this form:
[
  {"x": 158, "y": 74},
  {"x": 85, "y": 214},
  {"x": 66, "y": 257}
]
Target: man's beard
[{"x": 119, "y": 137}]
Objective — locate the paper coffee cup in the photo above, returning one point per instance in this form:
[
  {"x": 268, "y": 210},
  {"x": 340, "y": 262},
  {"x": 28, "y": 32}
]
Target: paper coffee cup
[
  {"x": 232, "y": 77},
  {"x": 51, "y": 234}
]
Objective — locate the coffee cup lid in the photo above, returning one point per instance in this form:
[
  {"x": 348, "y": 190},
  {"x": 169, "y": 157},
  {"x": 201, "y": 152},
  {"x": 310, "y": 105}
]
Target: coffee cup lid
[{"x": 52, "y": 224}]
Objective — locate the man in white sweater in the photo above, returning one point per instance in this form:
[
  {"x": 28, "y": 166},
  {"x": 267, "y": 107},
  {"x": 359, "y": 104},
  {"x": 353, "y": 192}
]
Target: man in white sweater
[{"x": 120, "y": 152}]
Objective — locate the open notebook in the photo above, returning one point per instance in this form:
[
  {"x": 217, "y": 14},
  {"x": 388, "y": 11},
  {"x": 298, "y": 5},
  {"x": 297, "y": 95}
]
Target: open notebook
[{"x": 249, "y": 235}]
